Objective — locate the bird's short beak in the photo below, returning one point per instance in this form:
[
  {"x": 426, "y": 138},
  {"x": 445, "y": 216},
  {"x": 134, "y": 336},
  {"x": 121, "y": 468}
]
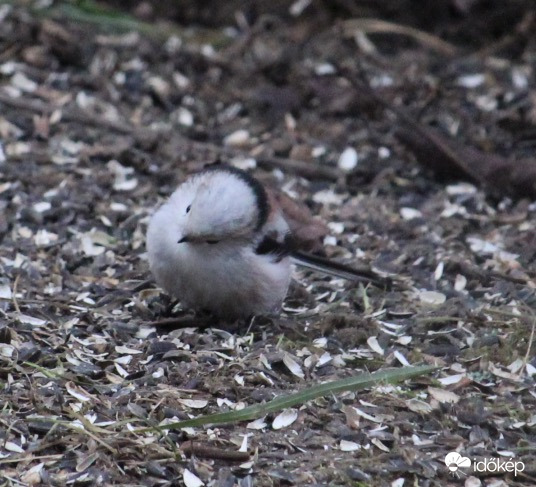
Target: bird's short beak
[{"x": 184, "y": 239}]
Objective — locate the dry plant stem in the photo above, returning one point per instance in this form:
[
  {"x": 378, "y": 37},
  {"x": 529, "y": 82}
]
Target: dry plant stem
[
  {"x": 112, "y": 450},
  {"x": 14, "y": 481},
  {"x": 41, "y": 457},
  {"x": 15, "y": 303},
  {"x": 501, "y": 312},
  {"x": 531, "y": 341},
  {"x": 372, "y": 26},
  {"x": 10, "y": 427}
]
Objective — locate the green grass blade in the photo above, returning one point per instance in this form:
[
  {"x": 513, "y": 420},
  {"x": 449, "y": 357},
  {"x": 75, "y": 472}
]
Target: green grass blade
[{"x": 354, "y": 383}]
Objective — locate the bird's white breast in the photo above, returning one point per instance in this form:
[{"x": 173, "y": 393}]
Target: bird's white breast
[{"x": 228, "y": 278}]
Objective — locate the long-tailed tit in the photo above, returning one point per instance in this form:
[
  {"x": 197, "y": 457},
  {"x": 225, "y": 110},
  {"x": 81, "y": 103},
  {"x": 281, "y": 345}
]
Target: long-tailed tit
[{"x": 221, "y": 244}]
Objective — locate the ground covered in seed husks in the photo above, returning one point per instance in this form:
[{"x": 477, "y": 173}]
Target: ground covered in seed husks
[{"x": 101, "y": 119}]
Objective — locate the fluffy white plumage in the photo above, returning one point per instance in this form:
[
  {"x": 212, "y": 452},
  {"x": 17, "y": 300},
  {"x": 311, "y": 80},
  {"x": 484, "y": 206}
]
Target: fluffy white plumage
[{"x": 203, "y": 246}]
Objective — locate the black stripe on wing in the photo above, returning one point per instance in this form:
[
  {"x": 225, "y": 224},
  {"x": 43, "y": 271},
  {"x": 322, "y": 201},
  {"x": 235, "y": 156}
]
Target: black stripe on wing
[{"x": 272, "y": 246}]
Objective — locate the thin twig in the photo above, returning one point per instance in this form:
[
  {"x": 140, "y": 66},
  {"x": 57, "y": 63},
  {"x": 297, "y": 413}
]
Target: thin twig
[
  {"x": 14, "y": 297},
  {"x": 70, "y": 114},
  {"x": 202, "y": 451},
  {"x": 28, "y": 457},
  {"x": 111, "y": 449},
  {"x": 303, "y": 168},
  {"x": 11, "y": 479},
  {"x": 531, "y": 341},
  {"x": 382, "y": 27}
]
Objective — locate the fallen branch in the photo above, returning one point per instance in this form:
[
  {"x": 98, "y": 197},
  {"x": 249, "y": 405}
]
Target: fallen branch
[{"x": 498, "y": 174}]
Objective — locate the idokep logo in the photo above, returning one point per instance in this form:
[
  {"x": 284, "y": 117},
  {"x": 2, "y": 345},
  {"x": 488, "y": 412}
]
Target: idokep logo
[
  {"x": 498, "y": 465},
  {"x": 454, "y": 461}
]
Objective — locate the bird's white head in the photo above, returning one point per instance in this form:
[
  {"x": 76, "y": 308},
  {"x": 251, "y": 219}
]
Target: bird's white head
[{"x": 219, "y": 203}]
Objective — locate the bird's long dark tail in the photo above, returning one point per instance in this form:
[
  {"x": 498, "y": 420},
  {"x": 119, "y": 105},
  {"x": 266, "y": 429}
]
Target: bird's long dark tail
[{"x": 336, "y": 269}]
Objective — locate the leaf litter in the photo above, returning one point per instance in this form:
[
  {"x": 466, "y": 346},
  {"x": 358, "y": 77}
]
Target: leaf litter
[{"x": 96, "y": 135}]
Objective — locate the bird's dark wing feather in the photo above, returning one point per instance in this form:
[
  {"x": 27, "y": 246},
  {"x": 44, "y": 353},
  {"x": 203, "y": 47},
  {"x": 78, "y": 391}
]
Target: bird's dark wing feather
[
  {"x": 332, "y": 268},
  {"x": 279, "y": 249}
]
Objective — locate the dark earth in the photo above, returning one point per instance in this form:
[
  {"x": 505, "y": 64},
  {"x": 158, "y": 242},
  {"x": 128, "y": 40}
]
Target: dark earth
[{"x": 106, "y": 108}]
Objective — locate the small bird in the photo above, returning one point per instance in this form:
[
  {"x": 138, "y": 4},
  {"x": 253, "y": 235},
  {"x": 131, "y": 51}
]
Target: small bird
[{"x": 221, "y": 244}]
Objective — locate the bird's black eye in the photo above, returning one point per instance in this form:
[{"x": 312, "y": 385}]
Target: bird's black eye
[{"x": 188, "y": 208}]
